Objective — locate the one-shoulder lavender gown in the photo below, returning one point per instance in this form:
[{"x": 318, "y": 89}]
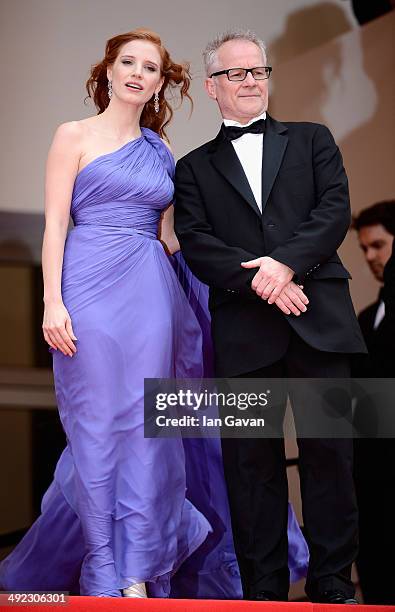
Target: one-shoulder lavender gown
[{"x": 123, "y": 508}]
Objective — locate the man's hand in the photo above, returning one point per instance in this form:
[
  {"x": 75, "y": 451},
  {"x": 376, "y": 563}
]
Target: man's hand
[
  {"x": 292, "y": 299},
  {"x": 271, "y": 278}
]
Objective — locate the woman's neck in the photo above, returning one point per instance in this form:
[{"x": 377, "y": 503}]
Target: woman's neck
[{"x": 121, "y": 120}]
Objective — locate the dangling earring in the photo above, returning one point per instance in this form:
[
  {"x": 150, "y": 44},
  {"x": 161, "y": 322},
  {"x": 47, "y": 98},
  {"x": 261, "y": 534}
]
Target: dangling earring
[
  {"x": 156, "y": 103},
  {"x": 109, "y": 89}
]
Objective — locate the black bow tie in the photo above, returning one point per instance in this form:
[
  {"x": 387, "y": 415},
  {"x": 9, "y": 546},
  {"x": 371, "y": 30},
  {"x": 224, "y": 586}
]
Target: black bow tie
[{"x": 232, "y": 132}]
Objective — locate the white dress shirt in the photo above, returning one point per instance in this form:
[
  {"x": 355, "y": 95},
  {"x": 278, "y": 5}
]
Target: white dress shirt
[
  {"x": 380, "y": 314},
  {"x": 249, "y": 150}
]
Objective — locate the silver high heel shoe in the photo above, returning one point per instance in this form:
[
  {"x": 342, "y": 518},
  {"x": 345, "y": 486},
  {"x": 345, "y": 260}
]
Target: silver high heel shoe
[{"x": 135, "y": 590}]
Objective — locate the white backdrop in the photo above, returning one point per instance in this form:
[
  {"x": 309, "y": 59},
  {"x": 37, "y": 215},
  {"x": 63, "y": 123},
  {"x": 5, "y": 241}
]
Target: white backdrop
[{"x": 48, "y": 46}]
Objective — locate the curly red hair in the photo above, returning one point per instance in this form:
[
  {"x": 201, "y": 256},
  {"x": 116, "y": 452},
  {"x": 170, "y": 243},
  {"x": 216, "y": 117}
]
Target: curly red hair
[{"x": 176, "y": 76}]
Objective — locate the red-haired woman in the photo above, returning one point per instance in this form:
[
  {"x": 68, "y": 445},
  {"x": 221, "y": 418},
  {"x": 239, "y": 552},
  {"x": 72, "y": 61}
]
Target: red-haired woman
[{"x": 116, "y": 519}]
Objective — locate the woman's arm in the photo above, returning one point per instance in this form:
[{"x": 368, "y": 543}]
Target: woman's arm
[
  {"x": 61, "y": 171},
  {"x": 167, "y": 235}
]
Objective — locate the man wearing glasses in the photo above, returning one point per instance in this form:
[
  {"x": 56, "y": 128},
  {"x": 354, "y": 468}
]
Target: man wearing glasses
[{"x": 260, "y": 213}]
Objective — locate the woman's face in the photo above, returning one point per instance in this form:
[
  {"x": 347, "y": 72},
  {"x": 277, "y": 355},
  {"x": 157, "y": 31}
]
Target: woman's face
[{"x": 136, "y": 73}]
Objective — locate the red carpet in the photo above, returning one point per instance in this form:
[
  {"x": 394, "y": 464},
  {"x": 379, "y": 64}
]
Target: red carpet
[{"x": 104, "y": 604}]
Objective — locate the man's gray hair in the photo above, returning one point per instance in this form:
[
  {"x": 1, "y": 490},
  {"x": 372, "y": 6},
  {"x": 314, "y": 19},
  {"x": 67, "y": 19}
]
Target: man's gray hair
[{"x": 209, "y": 54}]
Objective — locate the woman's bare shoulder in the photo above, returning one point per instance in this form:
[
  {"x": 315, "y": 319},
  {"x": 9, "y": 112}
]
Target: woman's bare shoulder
[
  {"x": 70, "y": 133},
  {"x": 76, "y": 131}
]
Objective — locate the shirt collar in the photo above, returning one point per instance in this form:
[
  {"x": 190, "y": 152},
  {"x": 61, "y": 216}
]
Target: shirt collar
[{"x": 231, "y": 122}]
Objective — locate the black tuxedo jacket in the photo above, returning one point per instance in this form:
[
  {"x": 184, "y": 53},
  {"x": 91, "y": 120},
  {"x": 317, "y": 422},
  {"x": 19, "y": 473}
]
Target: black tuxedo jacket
[
  {"x": 306, "y": 215},
  {"x": 389, "y": 288},
  {"x": 380, "y": 361}
]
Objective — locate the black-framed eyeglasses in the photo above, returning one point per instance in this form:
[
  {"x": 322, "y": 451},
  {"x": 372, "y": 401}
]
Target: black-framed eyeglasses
[{"x": 239, "y": 74}]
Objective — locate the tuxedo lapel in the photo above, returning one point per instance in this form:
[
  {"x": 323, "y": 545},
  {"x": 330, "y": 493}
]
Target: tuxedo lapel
[
  {"x": 225, "y": 160},
  {"x": 274, "y": 144}
]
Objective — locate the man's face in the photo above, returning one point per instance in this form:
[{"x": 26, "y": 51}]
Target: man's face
[
  {"x": 240, "y": 101},
  {"x": 376, "y": 243}
]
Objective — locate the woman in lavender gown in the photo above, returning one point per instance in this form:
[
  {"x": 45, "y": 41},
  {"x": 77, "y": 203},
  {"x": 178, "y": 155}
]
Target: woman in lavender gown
[{"x": 125, "y": 514}]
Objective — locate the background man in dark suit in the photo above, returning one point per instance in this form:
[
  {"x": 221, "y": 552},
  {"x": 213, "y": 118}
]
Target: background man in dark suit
[
  {"x": 376, "y": 229},
  {"x": 261, "y": 210},
  {"x": 374, "y": 465}
]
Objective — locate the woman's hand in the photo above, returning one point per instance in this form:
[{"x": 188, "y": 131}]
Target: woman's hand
[
  {"x": 166, "y": 232},
  {"x": 170, "y": 244},
  {"x": 57, "y": 328}
]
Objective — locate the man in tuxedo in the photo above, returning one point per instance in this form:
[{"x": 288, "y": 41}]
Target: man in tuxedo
[
  {"x": 260, "y": 212},
  {"x": 375, "y": 227},
  {"x": 389, "y": 289},
  {"x": 374, "y": 465}
]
